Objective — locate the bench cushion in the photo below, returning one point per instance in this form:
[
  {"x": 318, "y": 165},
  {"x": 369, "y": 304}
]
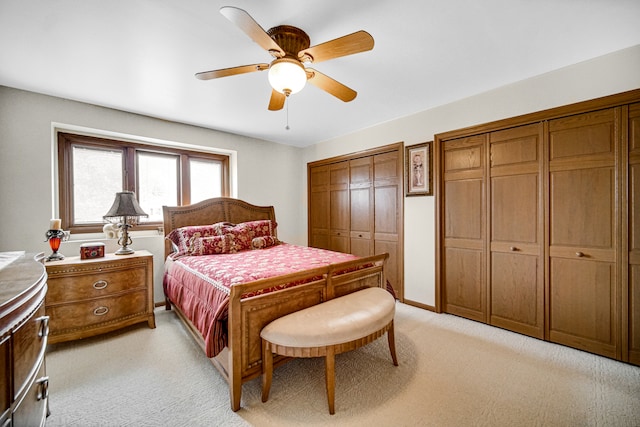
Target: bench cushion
[{"x": 340, "y": 320}]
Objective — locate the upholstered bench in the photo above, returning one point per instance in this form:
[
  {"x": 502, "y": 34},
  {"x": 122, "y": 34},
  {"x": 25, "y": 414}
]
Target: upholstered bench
[{"x": 332, "y": 327}]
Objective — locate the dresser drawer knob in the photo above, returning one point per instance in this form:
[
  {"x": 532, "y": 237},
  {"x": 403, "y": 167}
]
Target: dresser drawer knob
[
  {"x": 101, "y": 311},
  {"x": 579, "y": 254},
  {"x": 43, "y": 391},
  {"x": 100, "y": 284},
  {"x": 43, "y": 331}
]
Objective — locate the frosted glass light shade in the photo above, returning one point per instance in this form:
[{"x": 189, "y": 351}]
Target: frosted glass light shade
[{"x": 287, "y": 76}]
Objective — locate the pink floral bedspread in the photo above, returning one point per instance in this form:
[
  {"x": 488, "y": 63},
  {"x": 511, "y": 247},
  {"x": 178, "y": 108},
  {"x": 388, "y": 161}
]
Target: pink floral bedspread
[{"x": 200, "y": 285}]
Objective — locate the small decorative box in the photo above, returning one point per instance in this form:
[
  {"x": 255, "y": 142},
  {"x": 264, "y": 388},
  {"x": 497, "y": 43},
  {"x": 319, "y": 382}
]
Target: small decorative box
[{"x": 91, "y": 250}]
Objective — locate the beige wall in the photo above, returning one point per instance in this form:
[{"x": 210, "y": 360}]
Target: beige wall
[
  {"x": 606, "y": 75},
  {"x": 269, "y": 173}
]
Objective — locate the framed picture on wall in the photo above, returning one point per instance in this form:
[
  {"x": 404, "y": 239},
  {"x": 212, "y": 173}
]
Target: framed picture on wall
[{"x": 418, "y": 162}]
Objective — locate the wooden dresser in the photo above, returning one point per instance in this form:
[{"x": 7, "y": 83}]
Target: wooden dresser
[
  {"x": 23, "y": 340},
  {"x": 93, "y": 296}
]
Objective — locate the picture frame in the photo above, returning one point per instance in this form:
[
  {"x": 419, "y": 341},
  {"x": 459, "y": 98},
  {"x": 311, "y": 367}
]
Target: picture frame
[{"x": 418, "y": 169}]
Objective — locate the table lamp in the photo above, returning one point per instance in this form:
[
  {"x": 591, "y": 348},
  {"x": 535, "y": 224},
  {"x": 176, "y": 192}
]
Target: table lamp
[{"x": 125, "y": 213}]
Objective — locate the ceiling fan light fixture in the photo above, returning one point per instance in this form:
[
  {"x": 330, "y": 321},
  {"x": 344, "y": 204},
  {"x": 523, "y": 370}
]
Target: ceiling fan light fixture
[{"x": 287, "y": 76}]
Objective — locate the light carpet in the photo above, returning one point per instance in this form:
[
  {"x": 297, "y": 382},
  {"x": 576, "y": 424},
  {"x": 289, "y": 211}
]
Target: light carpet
[{"x": 453, "y": 372}]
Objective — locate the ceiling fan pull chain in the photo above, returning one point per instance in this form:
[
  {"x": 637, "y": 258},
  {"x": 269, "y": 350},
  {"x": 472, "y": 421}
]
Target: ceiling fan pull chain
[{"x": 287, "y": 101}]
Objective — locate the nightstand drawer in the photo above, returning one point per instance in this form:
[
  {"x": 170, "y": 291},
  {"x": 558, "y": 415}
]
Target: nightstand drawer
[
  {"x": 87, "y": 314},
  {"x": 93, "y": 285}
]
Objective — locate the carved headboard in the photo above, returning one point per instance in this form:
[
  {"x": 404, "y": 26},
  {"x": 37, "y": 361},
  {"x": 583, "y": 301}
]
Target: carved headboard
[{"x": 210, "y": 211}]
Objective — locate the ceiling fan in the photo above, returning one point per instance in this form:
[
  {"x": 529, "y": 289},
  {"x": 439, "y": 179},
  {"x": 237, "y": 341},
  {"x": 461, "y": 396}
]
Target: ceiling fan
[{"x": 290, "y": 48}]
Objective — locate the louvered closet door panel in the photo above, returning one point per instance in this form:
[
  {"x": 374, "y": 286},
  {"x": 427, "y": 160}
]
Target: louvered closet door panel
[
  {"x": 633, "y": 301},
  {"x": 517, "y": 230},
  {"x": 583, "y": 287},
  {"x": 319, "y": 207},
  {"x": 388, "y": 194},
  {"x": 361, "y": 194},
  {"x": 464, "y": 228},
  {"x": 339, "y": 206}
]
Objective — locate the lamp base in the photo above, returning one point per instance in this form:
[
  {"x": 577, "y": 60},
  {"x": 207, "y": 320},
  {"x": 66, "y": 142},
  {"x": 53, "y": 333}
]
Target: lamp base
[
  {"x": 124, "y": 251},
  {"x": 56, "y": 256}
]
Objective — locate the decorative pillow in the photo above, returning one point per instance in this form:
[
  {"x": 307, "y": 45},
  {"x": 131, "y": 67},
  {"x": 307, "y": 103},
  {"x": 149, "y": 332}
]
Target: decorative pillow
[
  {"x": 183, "y": 237},
  {"x": 264, "y": 242},
  {"x": 212, "y": 245},
  {"x": 245, "y": 232}
]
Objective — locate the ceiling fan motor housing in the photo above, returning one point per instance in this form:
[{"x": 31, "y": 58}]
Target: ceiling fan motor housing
[{"x": 291, "y": 39}]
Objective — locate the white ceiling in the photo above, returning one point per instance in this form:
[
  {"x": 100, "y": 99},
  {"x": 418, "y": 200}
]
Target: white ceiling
[{"x": 140, "y": 56}]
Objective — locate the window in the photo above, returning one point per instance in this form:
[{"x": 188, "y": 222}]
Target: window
[{"x": 92, "y": 170}]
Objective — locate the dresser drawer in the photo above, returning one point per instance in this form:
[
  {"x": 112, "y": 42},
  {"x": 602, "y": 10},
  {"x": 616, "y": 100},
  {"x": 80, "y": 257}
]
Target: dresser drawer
[
  {"x": 5, "y": 378},
  {"x": 32, "y": 409},
  {"x": 29, "y": 342},
  {"x": 85, "y": 314},
  {"x": 93, "y": 284}
]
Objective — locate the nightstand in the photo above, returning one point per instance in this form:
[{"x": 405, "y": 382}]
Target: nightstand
[{"x": 87, "y": 297}]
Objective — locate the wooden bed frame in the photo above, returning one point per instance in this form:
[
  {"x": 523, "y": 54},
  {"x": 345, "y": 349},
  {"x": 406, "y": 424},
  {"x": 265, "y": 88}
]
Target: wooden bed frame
[{"x": 242, "y": 359}]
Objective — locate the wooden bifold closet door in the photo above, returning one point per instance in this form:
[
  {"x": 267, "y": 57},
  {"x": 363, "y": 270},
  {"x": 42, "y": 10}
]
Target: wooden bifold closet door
[
  {"x": 583, "y": 231},
  {"x": 631, "y": 298},
  {"x": 538, "y": 225},
  {"x": 493, "y": 227},
  {"x": 516, "y": 237},
  {"x": 355, "y": 206}
]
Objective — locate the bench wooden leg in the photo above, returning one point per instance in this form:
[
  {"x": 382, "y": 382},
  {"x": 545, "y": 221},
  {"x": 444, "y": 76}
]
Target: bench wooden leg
[
  {"x": 392, "y": 344},
  {"x": 330, "y": 377},
  {"x": 267, "y": 370}
]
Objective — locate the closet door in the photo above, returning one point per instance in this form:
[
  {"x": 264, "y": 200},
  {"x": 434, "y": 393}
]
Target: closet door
[
  {"x": 583, "y": 232},
  {"x": 361, "y": 195},
  {"x": 388, "y": 216},
  {"x": 339, "y": 207},
  {"x": 633, "y": 296},
  {"x": 319, "y": 207},
  {"x": 516, "y": 300},
  {"x": 464, "y": 223}
]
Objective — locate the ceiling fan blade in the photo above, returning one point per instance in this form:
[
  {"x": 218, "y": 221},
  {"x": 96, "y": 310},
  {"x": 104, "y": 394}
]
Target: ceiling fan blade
[
  {"x": 357, "y": 42},
  {"x": 331, "y": 86},
  {"x": 251, "y": 28},
  {"x": 277, "y": 100},
  {"x": 225, "y": 72}
]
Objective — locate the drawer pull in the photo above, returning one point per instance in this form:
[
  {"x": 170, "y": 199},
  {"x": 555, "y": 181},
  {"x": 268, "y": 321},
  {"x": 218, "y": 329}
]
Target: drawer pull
[
  {"x": 100, "y": 284},
  {"x": 43, "y": 391},
  {"x": 579, "y": 254},
  {"x": 101, "y": 311},
  {"x": 44, "y": 326},
  {"x": 513, "y": 249}
]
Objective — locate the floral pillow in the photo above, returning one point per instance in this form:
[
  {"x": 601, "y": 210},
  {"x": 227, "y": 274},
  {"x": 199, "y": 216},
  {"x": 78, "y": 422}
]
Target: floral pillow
[
  {"x": 213, "y": 245},
  {"x": 183, "y": 237},
  {"x": 245, "y": 232},
  {"x": 264, "y": 242}
]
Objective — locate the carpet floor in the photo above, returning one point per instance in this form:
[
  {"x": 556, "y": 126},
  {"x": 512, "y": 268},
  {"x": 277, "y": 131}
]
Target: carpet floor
[{"x": 453, "y": 372}]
